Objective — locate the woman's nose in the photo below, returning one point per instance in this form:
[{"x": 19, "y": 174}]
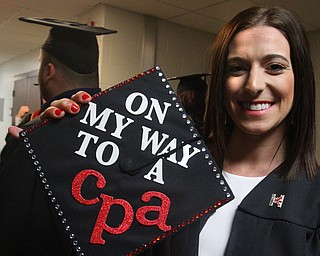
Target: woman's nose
[{"x": 255, "y": 83}]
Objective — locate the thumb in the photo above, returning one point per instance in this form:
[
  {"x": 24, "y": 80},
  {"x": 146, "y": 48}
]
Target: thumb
[{"x": 14, "y": 131}]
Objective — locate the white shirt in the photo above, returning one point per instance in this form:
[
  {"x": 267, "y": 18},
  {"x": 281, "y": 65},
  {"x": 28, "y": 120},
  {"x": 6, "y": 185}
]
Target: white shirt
[{"x": 215, "y": 233}]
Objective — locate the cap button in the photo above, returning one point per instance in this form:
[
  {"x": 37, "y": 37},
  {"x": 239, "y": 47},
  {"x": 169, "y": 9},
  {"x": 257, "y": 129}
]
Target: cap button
[{"x": 126, "y": 165}]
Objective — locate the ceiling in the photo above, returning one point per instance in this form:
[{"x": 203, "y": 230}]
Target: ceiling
[{"x": 18, "y": 38}]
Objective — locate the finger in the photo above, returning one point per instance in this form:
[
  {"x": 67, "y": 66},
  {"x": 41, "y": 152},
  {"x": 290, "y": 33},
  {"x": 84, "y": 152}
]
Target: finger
[
  {"x": 52, "y": 112},
  {"x": 14, "y": 131},
  {"x": 81, "y": 97},
  {"x": 66, "y": 105}
]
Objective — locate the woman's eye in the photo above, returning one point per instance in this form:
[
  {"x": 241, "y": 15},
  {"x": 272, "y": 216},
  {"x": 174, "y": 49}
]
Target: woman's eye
[
  {"x": 276, "y": 68},
  {"x": 235, "y": 70}
]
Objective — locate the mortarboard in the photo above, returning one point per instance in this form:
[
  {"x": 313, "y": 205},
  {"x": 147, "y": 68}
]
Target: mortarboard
[
  {"x": 129, "y": 170},
  {"x": 73, "y": 44},
  {"x": 191, "y": 82}
]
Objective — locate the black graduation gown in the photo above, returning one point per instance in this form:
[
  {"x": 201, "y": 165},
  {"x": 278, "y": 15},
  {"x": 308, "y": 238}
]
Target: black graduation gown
[
  {"x": 262, "y": 228},
  {"x": 28, "y": 225}
]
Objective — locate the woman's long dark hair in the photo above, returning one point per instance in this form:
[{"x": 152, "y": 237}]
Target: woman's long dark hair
[{"x": 300, "y": 133}]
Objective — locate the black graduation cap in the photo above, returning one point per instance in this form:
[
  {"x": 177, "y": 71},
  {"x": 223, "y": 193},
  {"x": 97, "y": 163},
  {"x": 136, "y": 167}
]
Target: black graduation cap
[
  {"x": 192, "y": 81},
  {"x": 73, "y": 44},
  {"x": 129, "y": 170}
]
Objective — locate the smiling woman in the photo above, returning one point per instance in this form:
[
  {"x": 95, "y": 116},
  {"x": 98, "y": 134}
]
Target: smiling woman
[
  {"x": 261, "y": 94},
  {"x": 259, "y": 84},
  {"x": 260, "y": 127}
]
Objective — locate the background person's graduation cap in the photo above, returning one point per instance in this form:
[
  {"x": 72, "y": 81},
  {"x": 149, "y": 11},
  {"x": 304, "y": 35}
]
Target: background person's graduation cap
[
  {"x": 128, "y": 171},
  {"x": 72, "y": 43},
  {"x": 191, "y": 82},
  {"x": 192, "y": 92}
]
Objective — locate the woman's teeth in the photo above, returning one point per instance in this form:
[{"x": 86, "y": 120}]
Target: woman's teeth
[{"x": 257, "y": 107}]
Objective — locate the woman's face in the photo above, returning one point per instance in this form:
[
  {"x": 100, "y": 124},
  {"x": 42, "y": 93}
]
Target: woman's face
[{"x": 260, "y": 80}]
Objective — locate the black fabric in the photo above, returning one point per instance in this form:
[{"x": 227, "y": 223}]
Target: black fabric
[
  {"x": 183, "y": 243},
  {"x": 27, "y": 223},
  {"x": 120, "y": 191},
  {"x": 262, "y": 228}
]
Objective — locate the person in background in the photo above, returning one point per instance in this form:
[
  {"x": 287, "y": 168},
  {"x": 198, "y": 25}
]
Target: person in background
[
  {"x": 260, "y": 128},
  {"x": 68, "y": 58},
  {"x": 191, "y": 91},
  {"x": 23, "y": 111},
  {"x": 68, "y": 63}
]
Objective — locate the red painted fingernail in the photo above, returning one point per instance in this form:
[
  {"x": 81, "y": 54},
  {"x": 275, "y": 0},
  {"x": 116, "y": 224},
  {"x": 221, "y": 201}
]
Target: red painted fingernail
[
  {"x": 74, "y": 108},
  {"x": 58, "y": 112},
  {"x": 85, "y": 96}
]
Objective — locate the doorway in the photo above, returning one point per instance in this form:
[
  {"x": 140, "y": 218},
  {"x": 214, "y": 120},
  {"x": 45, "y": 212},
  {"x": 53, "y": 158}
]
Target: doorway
[{"x": 26, "y": 92}]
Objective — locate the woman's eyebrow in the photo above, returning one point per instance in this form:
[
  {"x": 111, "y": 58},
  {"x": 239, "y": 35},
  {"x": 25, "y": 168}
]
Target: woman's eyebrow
[
  {"x": 275, "y": 56},
  {"x": 264, "y": 58},
  {"x": 236, "y": 59}
]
